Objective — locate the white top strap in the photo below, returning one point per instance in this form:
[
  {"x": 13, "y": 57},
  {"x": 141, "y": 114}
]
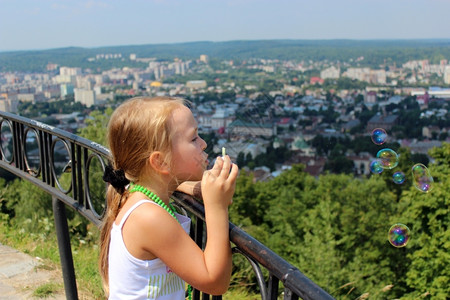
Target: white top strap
[{"x": 127, "y": 214}]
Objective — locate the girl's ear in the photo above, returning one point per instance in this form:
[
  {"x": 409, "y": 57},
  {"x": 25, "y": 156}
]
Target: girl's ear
[{"x": 158, "y": 163}]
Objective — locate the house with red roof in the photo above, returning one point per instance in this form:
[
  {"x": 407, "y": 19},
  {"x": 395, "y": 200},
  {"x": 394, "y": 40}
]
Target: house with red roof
[{"x": 315, "y": 80}]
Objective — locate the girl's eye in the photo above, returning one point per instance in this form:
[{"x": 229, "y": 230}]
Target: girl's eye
[{"x": 194, "y": 139}]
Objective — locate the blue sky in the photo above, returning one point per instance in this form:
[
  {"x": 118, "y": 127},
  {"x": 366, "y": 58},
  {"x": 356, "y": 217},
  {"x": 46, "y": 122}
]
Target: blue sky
[{"x": 45, "y": 24}]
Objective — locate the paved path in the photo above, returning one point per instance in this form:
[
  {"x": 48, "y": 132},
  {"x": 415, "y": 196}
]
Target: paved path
[{"x": 21, "y": 274}]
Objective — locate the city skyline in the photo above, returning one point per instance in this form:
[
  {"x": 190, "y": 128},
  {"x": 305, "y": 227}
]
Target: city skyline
[{"x": 47, "y": 24}]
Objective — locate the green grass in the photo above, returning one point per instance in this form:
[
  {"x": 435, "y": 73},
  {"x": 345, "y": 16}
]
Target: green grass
[
  {"x": 240, "y": 294},
  {"x": 47, "y": 290},
  {"x": 44, "y": 245},
  {"x": 85, "y": 255}
]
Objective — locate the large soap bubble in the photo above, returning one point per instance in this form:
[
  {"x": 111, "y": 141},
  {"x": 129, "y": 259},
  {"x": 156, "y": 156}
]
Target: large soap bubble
[
  {"x": 398, "y": 177},
  {"x": 422, "y": 179},
  {"x": 388, "y": 158},
  {"x": 379, "y": 136},
  {"x": 398, "y": 235},
  {"x": 376, "y": 167}
]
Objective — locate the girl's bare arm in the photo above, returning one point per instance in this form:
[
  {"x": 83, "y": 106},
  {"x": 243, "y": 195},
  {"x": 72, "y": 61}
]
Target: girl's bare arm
[
  {"x": 208, "y": 270},
  {"x": 192, "y": 188}
]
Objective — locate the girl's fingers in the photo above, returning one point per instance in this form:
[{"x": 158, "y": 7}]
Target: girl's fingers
[
  {"x": 234, "y": 172},
  {"x": 217, "y": 167},
  {"x": 225, "y": 167}
]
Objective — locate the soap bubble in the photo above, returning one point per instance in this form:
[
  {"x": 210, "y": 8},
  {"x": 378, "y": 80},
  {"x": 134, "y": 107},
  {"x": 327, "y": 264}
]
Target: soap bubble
[
  {"x": 422, "y": 179},
  {"x": 379, "y": 136},
  {"x": 398, "y": 235},
  {"x": 376, "y": 167},
  {"x": 398, "y": 177},
  {"x": 388, "y": 158}
]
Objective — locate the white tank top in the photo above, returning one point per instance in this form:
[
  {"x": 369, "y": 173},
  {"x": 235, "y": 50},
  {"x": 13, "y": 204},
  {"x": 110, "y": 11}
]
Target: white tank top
[{"x": 132, "y": 278}]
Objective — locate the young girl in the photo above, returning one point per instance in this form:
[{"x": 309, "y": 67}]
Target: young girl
[{"x": 146, "y": 252}]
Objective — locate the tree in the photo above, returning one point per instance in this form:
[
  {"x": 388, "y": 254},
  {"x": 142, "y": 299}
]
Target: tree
[
  {"x": 26, "y": 204},
  {"x": 339, "y": 164},
  {"x": 428, "y": 218},
  {"x": 240, "y": 160},
  {"x": 97, "y": 123}
]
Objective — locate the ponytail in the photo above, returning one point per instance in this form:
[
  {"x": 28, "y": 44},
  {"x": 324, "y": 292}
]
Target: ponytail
[{"x": 114, "y": 203}]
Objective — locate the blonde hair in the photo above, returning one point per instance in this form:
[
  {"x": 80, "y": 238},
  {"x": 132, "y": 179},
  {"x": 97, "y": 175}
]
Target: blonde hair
[{"x": 138, "y": 127}]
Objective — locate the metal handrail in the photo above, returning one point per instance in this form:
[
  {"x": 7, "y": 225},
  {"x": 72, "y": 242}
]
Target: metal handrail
[{"x": 80, "y": 154}]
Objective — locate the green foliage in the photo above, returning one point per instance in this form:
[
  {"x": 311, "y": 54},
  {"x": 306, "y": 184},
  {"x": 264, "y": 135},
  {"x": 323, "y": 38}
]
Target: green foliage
[
  {"x": 429, "y": 218},
  {"x": 30, "y": 110},
  {"x": 334, "y": 228},
  {"x": 96, "y": 126},
  {"x": 96, "y": 131},
  {"x": 344, "y": 83},
  {"x": 46, "y": 290},
  {"x": 25, "y": 203},
  {"x": 267, "y": 159}
]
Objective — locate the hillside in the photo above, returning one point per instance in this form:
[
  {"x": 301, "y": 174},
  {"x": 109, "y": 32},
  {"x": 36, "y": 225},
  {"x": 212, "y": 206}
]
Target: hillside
[{"x": 375, "y": 52}]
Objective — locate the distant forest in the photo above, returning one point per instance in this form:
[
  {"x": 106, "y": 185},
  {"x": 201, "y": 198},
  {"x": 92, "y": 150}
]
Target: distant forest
[{"x": 375, "y": 53}]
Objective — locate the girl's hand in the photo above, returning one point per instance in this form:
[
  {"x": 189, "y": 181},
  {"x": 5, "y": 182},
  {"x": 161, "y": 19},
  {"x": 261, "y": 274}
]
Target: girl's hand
[{"x": 218, "y": 184}]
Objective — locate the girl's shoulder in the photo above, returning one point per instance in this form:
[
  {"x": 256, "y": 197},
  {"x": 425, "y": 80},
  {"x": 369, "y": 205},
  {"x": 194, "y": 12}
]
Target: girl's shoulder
[
  {"x": 147, "y": 216},
  {"x": 147, "y": 228}
]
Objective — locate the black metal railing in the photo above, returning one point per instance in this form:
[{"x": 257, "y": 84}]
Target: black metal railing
[{"x": 69, "y": 168}]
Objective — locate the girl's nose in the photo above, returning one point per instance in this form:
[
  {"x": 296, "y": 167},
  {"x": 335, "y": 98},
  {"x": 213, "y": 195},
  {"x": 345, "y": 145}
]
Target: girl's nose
[{"x": 204, "y": 145}]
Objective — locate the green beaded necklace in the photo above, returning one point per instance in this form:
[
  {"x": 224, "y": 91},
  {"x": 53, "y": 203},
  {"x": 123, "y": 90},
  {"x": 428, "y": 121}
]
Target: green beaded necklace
[
  {"x": 170, "y": 209},
  {"x": 139, "y": 188}
]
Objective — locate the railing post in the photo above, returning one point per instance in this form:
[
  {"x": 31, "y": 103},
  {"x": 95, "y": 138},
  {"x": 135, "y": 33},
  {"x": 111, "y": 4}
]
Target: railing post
[{"x": 65, "y": 250}]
